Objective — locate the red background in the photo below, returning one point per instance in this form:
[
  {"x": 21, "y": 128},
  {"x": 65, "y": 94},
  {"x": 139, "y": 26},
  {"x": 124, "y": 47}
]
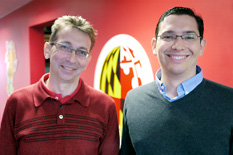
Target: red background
[{"x": 137, "y": 18}]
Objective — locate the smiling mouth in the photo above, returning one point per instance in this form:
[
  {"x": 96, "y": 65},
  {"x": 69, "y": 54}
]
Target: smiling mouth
[
  {"x": 68, "y": 68},
  {"x": 178, "y": 57}
]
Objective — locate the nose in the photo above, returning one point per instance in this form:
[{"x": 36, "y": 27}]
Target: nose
[
  {"x": 178, "y": 44},
  {"x": 72, "y": 57}
]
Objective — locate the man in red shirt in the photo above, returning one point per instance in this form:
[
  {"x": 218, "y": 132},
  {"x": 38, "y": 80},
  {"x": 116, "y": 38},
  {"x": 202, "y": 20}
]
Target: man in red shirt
[{"x": 60, "y": 114}]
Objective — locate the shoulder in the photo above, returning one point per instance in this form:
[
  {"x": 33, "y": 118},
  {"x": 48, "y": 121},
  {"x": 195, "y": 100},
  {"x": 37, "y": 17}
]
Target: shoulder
[
  {"x": 101, "y": 103},
  {"x": 95, "y": 93},
  {"x": 215, "y": 91},
  {"x": 142, "y": 95},
  {"x": 214, "y": 86},
  {"x": 100, "y": 98},
  {"x": 19, "y": 98},
  {"x": 143, "y": 89},
  {"x": 22, "y": 93}
]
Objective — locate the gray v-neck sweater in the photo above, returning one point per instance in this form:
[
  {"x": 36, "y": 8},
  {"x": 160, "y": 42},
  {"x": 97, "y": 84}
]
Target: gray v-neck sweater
[{"x": 200, "y": 123}]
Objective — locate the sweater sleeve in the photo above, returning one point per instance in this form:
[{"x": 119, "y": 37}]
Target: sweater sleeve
[
  {"x": 110, "y": 143},
  {"x": 8, "y": 143},
  {"x": 126, "y": 147},
  {"x": 231, "y": 143}
]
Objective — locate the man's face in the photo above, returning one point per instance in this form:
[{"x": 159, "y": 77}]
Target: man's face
[
  {"x": 67, "y": 67},
  {"x": 178, "y": 57}
]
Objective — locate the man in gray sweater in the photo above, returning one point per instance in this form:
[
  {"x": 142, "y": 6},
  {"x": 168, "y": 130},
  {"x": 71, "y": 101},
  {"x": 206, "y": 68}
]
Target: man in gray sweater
[{"x": 180, "y": 113}]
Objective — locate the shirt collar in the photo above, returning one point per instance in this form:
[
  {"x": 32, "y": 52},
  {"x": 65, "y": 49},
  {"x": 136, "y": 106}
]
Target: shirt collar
[
  {"x": 41, "y": 93},
  {"x": 185, "y": 87},
  {"x": 193, "y": 82}
]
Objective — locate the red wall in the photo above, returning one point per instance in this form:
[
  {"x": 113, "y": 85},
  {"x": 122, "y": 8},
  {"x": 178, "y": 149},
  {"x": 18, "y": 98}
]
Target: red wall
[{"x": 137, "y": 18}]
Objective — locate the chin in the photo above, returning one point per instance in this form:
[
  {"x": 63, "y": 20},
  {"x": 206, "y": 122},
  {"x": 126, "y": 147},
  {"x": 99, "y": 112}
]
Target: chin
[{"x": 177, "y": 71}]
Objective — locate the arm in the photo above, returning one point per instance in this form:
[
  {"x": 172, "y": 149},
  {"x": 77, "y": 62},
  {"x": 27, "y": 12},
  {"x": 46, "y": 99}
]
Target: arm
[
  {"x": 231, "y": 143},
  {"x": 8, "y": 143},
  {"x": 110, "y": 143},
  {"x": 126, "y": 147}
]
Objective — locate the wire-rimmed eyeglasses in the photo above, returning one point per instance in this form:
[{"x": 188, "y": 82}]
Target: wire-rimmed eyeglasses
[
  {"x": 67, "y": 49},
  {"x": 186, "y": 37}
]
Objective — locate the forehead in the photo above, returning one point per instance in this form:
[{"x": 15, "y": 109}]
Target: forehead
[
  {"x": 73, "y": 36},
  {"x": 178, "y": 24},
  {"x": 69, "y": 31}
]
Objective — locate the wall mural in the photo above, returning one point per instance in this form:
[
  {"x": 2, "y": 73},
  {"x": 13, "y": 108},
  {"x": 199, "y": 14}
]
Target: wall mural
[
  {"x": 11, "y": 65},
  {"x": 121, "y": 66}
]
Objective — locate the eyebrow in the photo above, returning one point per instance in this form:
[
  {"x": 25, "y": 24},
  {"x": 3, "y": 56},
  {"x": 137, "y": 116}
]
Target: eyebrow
[
  {"x": 70, "y": 45},
  {"x": 185, "y": 32},
  {"x": 190, "y": 32},
  {"x": 66, "y": 42}
]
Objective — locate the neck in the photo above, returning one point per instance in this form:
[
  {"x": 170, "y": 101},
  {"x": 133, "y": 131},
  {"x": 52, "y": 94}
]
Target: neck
[
  {"x": 172, "y": 81},
  {"x": 64, "y": 88}
]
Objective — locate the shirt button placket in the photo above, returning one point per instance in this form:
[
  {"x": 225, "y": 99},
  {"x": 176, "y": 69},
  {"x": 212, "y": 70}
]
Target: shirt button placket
[{"x": 60, "y": 115}]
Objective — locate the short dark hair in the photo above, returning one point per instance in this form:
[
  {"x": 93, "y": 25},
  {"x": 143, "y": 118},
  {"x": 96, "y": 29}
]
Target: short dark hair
[{"x": 182, "y": 11}]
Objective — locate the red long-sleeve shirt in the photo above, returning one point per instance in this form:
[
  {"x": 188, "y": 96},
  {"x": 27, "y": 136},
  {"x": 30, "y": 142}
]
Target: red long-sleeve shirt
[{"x": 36, "y": 123}]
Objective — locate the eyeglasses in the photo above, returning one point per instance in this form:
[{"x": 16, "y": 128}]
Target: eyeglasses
[
  {"x": 67, "y": 49},
  {"x": 185, "y": 37}
]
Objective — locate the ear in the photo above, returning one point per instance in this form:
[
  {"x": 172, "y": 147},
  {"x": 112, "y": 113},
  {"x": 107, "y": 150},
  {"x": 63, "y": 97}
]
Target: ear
[
  {"x": 88, "y": 60},
  {"x": 203, "y": 44},
  {"x": 153, "y": 45},
  {"x": 47, "y": 50}
]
